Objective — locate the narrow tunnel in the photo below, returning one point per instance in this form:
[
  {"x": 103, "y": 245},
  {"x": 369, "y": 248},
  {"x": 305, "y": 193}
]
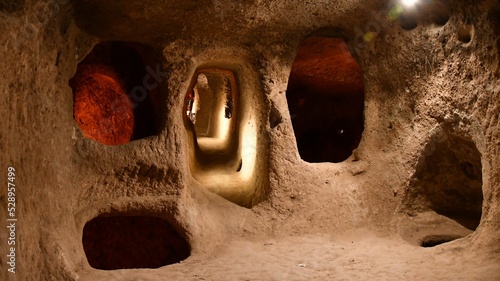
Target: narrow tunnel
[
  {"x": 211, "y": 114},
  {"x": 326, "y": 100},
  {"x": 115, "y": 93},
  {"x": 210, "y": 108},
  {"x": 220, "y": 119}
]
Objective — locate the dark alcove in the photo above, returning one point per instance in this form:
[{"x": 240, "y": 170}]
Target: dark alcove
[
  {"x": 124, "y": 242},
  {"x": 115, "y": 91},
  {"x": 326, "y": 100}
]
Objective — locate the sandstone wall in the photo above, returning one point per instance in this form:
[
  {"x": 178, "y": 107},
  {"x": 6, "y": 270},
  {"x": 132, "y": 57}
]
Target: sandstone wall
[{"x": 430, "y": 78}]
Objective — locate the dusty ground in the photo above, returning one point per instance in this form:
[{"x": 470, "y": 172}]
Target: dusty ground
[
  {"x": 432, "y": 95},
  {"x": 363, "y": 256}
]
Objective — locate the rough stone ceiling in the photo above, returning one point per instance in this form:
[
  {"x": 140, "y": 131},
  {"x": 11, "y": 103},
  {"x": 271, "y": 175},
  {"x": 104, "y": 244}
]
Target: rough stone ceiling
[
  {"x": 213, "y": 20},
  {"x": 326, "y": 65}
]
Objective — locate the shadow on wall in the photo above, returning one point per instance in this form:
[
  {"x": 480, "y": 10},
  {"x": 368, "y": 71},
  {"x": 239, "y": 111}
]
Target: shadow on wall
[
  {"x": 326, "y": 100},
  {"x": 12, "y": 6},
  {"x": 448, "y": 180},
  {"x": 445, "y": 194}
]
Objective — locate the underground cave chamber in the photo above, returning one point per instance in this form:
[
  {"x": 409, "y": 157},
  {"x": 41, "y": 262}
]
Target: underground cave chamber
[
  {"x": 116, "y": 93},
  {"x": 127, "y": 242},
  {"x": 282, "y": 140},
  {"x": 325, "y": 97}
]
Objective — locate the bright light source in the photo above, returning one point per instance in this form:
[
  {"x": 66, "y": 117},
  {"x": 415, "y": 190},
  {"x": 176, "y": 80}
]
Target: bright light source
[{"x": 409, "y": 3}]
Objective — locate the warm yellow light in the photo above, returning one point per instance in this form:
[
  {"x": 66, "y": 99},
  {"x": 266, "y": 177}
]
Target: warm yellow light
[
  {"x": 409, "y": 3},
  {"x": 248, "y": 150}
]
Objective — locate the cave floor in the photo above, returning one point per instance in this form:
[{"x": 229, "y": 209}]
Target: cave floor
[{"x": 356, "y": 256}]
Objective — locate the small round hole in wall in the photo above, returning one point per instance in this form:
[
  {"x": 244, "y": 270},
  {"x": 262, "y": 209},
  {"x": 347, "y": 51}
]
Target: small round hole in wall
[
  {"x": 440, "y": 18},
  {"x": 465, "y": 34},
  {"x": 126, "y": 242},
  {"x": 434, "y": 12},
  {"x": 408, "y": 22}
]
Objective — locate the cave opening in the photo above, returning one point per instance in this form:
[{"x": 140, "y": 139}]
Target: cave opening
[
  {"x": 325, "y": 97},
  {"x": 220, "y": 117},
  {"x": 210, "y": 106},
  {"x": 116, "y": 92},
  {"x": 211, "y": 115},
  {"x": 448, "y": 180},
  {"x": 127, "y": 242}
]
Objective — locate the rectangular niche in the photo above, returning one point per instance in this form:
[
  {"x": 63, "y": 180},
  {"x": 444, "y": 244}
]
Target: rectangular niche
[
  {"x": 128, "y": 242},
  {"x": 222, "y": 119}
]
